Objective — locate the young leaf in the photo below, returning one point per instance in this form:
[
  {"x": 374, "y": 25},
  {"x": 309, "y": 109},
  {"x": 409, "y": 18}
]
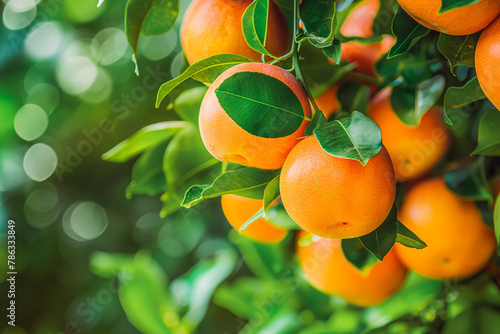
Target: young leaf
[
  {"x": 470, "y": 182},
  {"x": 206, "y": 70},
  {"x": 459, "y": 50},
  {"x": 407, "y": 32},
  {"x": 356, "y": 254},
  {"x": 357, "y": 138},
  {"x": 151, "y": 17},
  {"x": 496, "y": 222},
  {"x": 248, "y": 182},
  {"x": 147, "y": 173},
  {"x": 146, "y": 137},
  {"x": 488, "y": 141},
  {"x": 333, "y": 51},
  {"x": 317, "y": 121},
  {"x": 319, "y": 21},
  {"x": 447, "y": 5},
  {"x": 271, "y": 193},
  {"x": 458, "y": 97},
  {"x": 380, "y": 241},
  {"x": 407, "y": 238},
  {"x": 260, "y": 104},
  {"x": 254, "y": 25}
]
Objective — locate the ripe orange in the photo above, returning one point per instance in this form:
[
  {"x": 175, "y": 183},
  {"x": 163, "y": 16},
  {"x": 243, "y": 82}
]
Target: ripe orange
[
  {"x": 459, "y": 21},
  {"x": 459, "y": 243},
  {"x": 227, "y": 141},
  {"x": 333, "y": 197},
  {"x": 213, "y": 27},
  {"x": 359, "y": 23},
  {"x": 413, "y": 149},
  {"x": 487, "y": 59},
  {"x": 326, "y": 268},
  {"x": 327, "y": 102},
  {"x": 239, "y": 209}
]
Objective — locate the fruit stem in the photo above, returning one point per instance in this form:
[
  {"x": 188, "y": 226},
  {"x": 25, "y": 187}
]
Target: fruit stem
[{"x": 295, "y": 57}]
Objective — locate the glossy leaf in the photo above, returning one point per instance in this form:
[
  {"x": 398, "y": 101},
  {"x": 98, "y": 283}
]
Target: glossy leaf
[
  {"x": 146, "y": 137},
  {"x": 407, "y": 238},
  {"x": 458, "y": 97},
  {"x": 470, "y": 182},
  {"x": 206, "y": 70},
  {"x": 247, "y": 182},
  {"x": 147, "y": 173},
  {"x": 260, "y": 104},
  {"x": 317, "y": 121},
  {"x": 257, "y": 215},
  {"x": 333, "y": 51},
  {"x": 194, "y": 289},
  {"x": 187, "y": 104},
  {"x": 271, "y": 193},
  {"x": 356, "y": 137},
  {"x": 459, "y": 50},
  {"x": 254, "y": 25},
  {"x": 151, "y": 17},
  {"x": 380, "y": 241},
  {"x": 447, "y": 5},
  {"x": 496, "y": 222},
  {"x": 407, "y": 32},
  {"x": 356, "y": 254},
  {"x": 488, "y": 141},
  {"x": 319, "y": 21}
]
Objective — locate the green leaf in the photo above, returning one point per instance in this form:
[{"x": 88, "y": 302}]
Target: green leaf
[
  {"x": 254, "y": 25},
  {"x": 206, "y": 70},
  {"x": 407, "y": 238},
  {"x": 380, "y": 241},
  {"x": 257, "y": 215},
  {"x": 279, "y": 217},
  {"x": 447, "y": 5},
  {"x": 354, "y": 96},
  {"x": 186, "y": 163},
  {"x": 470, "y": 182},
  {"x": 109, "y": 265},
  {"x": 319, "y": 21},
  {"x": 187, "y": 104},
  {"x": 357, "y": 138},
  {"x": 458, "y": 97},
  {"x": 334, "y": 51},
  {"x": 317, "y": 121},
  {"x": 411, "y": 104},
  {"x": 407, "y": 32},
  {"x": 147, "y": 173},
  {"x": 142, "y": 295},
  {"x": 477, "y": 319},
  {"x": 194, "y": 289},
  {"x": 271, "y": 193},
  {"x": 146, "y": 137},
  {"x": 459, "y": 50},
  {"x": 247, "y": 182},
  {"x": 356, "y": 254},
  {"x": 151, "y": 17},
  {"x": 496, "y": 222},
  {"x": 260, "y": 104},
  {"x": 488, "y": 141}
]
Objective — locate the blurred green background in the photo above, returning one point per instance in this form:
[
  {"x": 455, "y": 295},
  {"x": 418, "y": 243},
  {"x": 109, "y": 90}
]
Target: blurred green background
[{"x": 91, "y": 260}]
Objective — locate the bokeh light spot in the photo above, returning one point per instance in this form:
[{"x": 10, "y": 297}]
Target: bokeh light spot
[
  {"x": 44, "y": 40},
  {"x": 40, "y": 161},
  {"x": 158, "y": 47},
  {"x": 17, "y": 16},
  {"x": 30, "y": 122},
  {"x": 84, "y": 221},
  {"x": 45, "y": 95},
  {"x": 110, "y": 44},
  {"x": 76, "y": 74},
  {"x": 40, "y": 206}
]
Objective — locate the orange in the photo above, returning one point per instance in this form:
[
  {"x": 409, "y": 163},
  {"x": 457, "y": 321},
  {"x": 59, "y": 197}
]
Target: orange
[
  {"x": 213, "y": 27},
  {"x": 327, "y": 269},
  {"x": 487, "y": 59},
  {"x": 413, "y": 149},
  {"x": 227, "y": 141},
  {"x": 359, "y": 22},
  {"x": 238, "y": 210},
  {"x": 327, "y": 102},
  {"x": 459, "y": 243},
  {"x": 334, "y": 197},
  {"x": 459, "y": 21}
]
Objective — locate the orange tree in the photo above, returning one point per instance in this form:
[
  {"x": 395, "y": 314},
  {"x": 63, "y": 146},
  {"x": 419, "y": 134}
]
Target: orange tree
[{"x": 413, "y": 72}]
